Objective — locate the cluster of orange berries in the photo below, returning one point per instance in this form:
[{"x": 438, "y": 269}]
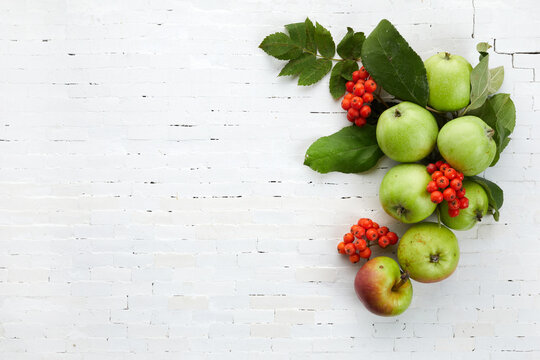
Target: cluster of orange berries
[
  {"x": 357, "y": 243},
  {"x": 357, "y": 101},
  {"x": 447, "y": 184}
]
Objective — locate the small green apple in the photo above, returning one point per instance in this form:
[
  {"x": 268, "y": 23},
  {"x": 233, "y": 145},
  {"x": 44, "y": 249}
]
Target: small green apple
[
  {"x": 403, "y": 193},
  {"x": 407, "y": 132},
  {"x": 428, "y": 252},
  {"x": 467, "y": 144},
  {"x": 381, "y": 287},
  {"x": 467, "y": 218},
  {"x": 449, "y": 79}
]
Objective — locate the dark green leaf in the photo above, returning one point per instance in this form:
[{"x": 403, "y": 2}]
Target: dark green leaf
[
  {"x": 350, "y": 46},
  {"x": 496, "y": 77},
  {"x": 338, "y": 79},
  {"x": 482, "y": 48},
  {"x": 350, "y": 150},
  {"x": 314, "y": 73},
  {"x": 479, "y": 84},
  {"x": 296, "y": 66},
  {"x": 394, "y": 65},
  {"x": 310, "y": 36},
  {"x": 297, "y": 32},
  {"x": 280, "y": 46},
  {"x": 494, "y": 193},
  {"x": 504, "y": 110},
  {"x": 324, "y": 42}
]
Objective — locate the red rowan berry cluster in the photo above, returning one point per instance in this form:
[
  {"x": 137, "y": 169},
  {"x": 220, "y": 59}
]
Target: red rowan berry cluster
[
  {"x": 363, "y": 235},
  {"x": 447, "y": 184},
  {"x": 357, "y": 101}
]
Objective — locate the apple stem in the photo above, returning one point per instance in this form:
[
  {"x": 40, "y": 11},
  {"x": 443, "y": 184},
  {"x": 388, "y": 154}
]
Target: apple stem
[
  {"x": 447, "y": 55},
  {"x": 403, "y": 279},
  {"x": 490, "y": 133}
]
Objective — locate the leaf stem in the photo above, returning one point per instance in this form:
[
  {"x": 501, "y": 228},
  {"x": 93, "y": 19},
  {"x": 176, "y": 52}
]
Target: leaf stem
[
  {"x": 380, "y": 99},
  {"x": 324, "y": 57},
  {"x": 435, "y": 111}
]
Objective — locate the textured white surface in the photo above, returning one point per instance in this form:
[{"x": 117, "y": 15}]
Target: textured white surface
[{"x": 154, "y": 205}]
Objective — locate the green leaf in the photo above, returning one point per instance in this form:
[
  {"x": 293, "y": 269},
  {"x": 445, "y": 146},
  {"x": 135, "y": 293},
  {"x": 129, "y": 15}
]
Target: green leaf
[
  {"x": 297, "y": 32},
  {"x": 505, "y": 110},
  {"x": 482, "y": 48},
  {"x": 324, "y": 42},
  {"x": 479, "y": 84},
  {"x": 315, "y": 72},
  {"x": 496, "y": 77},
  {"x": 350, "y": 150},
  {"x": 494, "y": 193},
  {"x": 311, "y": 45},
  {"x": 296, "y": 66},
  {"x": 393, "y": 64},
  {"x": 280, "y": 46},
  {"x": 350, "y": 46},
  {"x": 338, "y": 79}
]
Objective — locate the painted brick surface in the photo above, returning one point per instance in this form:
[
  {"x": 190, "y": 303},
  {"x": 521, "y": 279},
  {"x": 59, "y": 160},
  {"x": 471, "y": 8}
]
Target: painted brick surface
[{"x": 154, "y": 205}]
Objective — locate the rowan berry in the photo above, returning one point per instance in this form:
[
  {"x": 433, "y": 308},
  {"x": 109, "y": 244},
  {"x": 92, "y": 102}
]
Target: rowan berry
[
  {"x": 432, "y": 186},
  {"x": 392, "y": 236},
  {"x": 449, "y": 194},
  {"x": 353, "y": 113},
  {"x": 348, "y": 238},
  {"x": 463, "y": 203},
  {"x": 460, "y": 193},
  {"x": 442, "y": 182},
  {"x": 367, "y": 97},
  {"x": 360, "y": 122},
  {"x": 354, "y": 258},
  {"x": 444, "y": 167},
  {"x": 357, "y": 103},
  {"x": 375, "y": 225},
  {"x": 358, "y": 89},
  {"x": 341, "y": 247},
  {"x": 354, "y": 228},
  {"x": 350, "y": 249},
  {"x": 460, "y": 176},
  {"x": 371, "y": 234},
  {"x": 454, "y": 204},
  {"x": 360, "y": 244},
  {"x": 453, "y": 212},
  {"x": 348, "y": 96},
  {"x": 363, "y": 73},
  {"x": 437, "y": 174},
  {"x": 350, "y": 118},
  {"x": 384, "y": 241},
  {"x": 431, "y": 168},
  {"x": 370, "y": 86},
  {"x": 439, "y": 163},
  {"x": 356, "y": 76},
  {"x": 365, "y": 111},
  {"x": 345, "y": 104},
  {"x": 383, "y": 230},
  {"x": 436, "y": 197},
  {"x": 456, "y": 184},
  {"x": 450, "y": 173},
  {"x": 359, "y": 232},
  {"x": 365, "y": 223},
  {"x": 349, "y": 85},
  {"x": 366, "y": 253}
]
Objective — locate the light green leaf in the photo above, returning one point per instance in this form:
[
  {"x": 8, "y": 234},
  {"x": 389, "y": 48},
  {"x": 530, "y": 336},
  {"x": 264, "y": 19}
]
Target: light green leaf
[
  {"x": 280, "y": 46},
  {"x": 350, "y": 46},
  {"x": 496, "y": 78},
  {"x": 494, "y": 193},
  {"x": 314, "y": 73},
  {"x": 350, "y": 150},
  {"x": 324, "y": 41},
  {"x": 482, "y": 48},
  {"x": 338, "y": 77},
  {"x": 479, "y": 84},
  {"x": 393, "y": 64},
  {"x": 296, "y": 66}
]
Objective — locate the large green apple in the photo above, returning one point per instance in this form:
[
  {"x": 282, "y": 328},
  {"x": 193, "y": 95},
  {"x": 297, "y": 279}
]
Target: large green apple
[
  {"x": 449, "y": 79},
  {"x": 403, "y": 193},
  {"x": 428, "y": 252},
  {"x": 467, "y": 144},
  {"x": 381, "y": 287},
  {"x": 407, "y": 132},
  {"x": 467, "y": 218}
]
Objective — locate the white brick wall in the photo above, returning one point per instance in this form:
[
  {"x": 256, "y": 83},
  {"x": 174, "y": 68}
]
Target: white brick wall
[{"x": 154, "y": 205}]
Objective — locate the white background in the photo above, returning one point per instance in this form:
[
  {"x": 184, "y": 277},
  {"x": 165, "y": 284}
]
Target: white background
[{"x": 154, "y": 205}]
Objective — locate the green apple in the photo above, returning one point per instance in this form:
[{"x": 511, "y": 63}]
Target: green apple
[
  {"x": 403, "y": 193},
  {"x": 467, "y": 144},
  {"x": 407, "y": 132},
  {"x": 428, "y": 252},
  {"x": 449, "y": 79},
  {"x": 467, "y": 218},
  {"x": 381, "y": 287}
]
